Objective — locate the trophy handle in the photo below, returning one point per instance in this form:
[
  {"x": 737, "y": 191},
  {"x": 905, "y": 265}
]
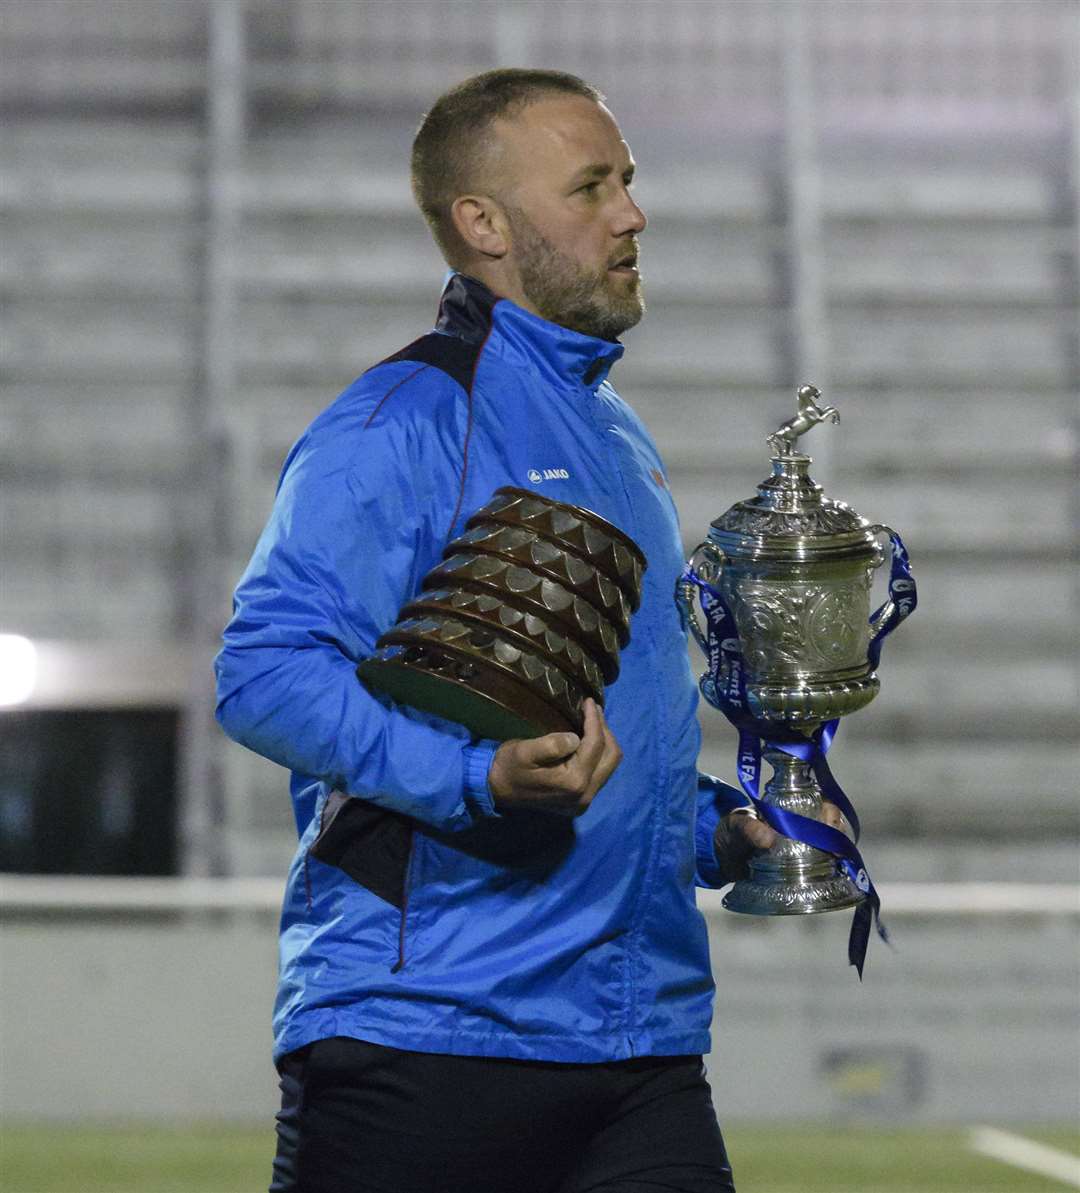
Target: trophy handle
[
  {"x": 707, "y": 562},
  {"x": 889, "y": 607}
]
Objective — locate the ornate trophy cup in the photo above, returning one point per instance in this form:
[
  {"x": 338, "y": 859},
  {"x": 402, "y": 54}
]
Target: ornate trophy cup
[
  {"x": 520, "y": 622},
  {"x": 784, "y": 579}
]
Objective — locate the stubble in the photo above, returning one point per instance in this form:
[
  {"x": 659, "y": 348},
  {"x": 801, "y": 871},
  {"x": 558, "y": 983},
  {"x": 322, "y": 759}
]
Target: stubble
[{"x": 588, "y": 301}]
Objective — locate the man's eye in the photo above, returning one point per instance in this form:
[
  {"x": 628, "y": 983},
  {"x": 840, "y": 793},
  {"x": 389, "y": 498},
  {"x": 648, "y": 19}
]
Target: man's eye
[{"x": 590, "y": 186}]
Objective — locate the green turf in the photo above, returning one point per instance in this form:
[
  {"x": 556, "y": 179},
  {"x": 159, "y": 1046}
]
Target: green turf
[
  {"x": 134, "y": 1160},
  {"x": 857, "y": 1160},
  {"x": 237, "y": 1160}
]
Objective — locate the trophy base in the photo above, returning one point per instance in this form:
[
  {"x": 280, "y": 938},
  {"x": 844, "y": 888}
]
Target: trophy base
[
  {"x": 754, "y": 897},
  {"x": 792, "y": 877}
]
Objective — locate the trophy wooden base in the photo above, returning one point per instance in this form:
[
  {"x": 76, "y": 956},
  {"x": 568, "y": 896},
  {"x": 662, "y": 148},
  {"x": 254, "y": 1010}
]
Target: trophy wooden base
[{"x": 484, "y": 714}]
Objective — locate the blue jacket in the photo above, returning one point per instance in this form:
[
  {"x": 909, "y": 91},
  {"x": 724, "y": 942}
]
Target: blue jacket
[{"x": 432, "y": 923}]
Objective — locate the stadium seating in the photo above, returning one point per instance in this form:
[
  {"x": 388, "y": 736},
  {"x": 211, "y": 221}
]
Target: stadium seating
[{"x": 948, "y": 239}]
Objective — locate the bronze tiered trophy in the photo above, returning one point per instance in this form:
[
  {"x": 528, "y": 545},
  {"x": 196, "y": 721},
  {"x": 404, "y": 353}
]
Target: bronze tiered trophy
[{"x": 520, "y": 622}]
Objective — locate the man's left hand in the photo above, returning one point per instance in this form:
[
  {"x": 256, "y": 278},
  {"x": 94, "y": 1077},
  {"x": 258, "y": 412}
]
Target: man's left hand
[{"x": 740, "y": 835}]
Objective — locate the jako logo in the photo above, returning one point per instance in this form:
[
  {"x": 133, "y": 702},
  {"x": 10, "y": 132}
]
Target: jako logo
[{"x": 548, "y": 474}]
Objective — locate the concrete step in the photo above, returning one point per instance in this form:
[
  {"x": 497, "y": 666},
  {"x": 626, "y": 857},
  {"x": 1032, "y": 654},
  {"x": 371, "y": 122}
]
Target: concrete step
[
  {"x": 86, "y": 435},
  {"x": 86, "y": 522},
  {"x": 107, "y": 257},
  {"x": 110, "y": 597}
]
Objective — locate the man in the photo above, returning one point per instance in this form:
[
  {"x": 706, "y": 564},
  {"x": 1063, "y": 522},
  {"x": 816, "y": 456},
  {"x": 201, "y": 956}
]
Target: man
[{"x": 494, "y": 978}]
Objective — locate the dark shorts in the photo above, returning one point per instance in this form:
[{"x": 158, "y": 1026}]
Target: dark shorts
[{"x": 361, "y": 1118}]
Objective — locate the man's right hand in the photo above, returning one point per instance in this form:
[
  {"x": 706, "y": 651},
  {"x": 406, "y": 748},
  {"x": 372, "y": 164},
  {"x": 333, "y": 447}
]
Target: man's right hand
[{"x": 558, "y": 773}]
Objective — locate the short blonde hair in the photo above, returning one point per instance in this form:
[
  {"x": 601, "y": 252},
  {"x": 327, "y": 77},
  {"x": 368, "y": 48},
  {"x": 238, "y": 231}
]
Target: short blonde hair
[{"x": 450, "y": 147}]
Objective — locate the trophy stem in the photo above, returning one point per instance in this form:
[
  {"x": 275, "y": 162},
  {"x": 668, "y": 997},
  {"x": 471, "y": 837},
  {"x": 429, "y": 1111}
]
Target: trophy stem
[{"x": 792, "y": 878}]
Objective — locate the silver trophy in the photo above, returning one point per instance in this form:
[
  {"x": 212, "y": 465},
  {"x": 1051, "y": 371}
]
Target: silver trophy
[{"x": 794, "y": 568}]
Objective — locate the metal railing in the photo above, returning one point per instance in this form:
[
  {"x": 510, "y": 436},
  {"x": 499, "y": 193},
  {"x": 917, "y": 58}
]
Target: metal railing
[{"x": 139, "y": 896}]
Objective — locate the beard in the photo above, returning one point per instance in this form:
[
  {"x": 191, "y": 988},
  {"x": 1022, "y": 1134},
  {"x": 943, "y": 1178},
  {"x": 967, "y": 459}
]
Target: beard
[{"x": 562, "y": 291}]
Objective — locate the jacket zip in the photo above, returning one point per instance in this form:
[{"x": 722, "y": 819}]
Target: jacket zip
[
  {"x": 655, "y": 821},
  {"x": 400, "y": 963}
]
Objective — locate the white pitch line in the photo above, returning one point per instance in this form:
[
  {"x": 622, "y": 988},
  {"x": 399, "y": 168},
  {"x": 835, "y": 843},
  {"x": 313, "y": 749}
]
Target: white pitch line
[{"x": 1026, "y": 1154}]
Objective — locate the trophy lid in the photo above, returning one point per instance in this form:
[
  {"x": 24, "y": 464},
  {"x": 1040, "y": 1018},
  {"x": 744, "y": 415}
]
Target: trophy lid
[{"x": 791, "y": 516}]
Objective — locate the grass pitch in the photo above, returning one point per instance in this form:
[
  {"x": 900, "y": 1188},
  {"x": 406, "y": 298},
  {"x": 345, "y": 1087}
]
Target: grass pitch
[{"x": 204, "y": 1159}]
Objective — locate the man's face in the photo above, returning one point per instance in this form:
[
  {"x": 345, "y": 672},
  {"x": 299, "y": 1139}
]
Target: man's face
[{"x": 564, "y": 174}]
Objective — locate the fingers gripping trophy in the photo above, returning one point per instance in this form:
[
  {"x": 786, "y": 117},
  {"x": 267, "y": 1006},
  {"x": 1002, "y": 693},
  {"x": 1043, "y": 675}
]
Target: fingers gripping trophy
[{"x": 784, "y": 582}]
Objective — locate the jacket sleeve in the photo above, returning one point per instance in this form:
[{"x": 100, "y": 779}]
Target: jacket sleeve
[
  {"x": 715, "y": 799},
  {"x": 361, "y": 514}
]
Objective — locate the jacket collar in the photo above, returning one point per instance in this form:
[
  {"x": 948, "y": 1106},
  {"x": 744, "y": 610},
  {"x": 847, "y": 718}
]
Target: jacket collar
[{"x": 468, "y": 309}]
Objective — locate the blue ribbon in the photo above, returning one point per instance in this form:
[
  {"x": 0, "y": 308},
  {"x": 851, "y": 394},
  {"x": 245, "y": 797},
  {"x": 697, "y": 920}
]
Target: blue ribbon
[
  {"x": 724, "y": 686},
  {"x": 903, "y": 595}
]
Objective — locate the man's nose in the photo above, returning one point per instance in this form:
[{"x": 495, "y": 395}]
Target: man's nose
[{"x": 630, "y": 218}]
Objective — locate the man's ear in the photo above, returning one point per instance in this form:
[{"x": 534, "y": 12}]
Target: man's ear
[{"x": 481, "y": 224}]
